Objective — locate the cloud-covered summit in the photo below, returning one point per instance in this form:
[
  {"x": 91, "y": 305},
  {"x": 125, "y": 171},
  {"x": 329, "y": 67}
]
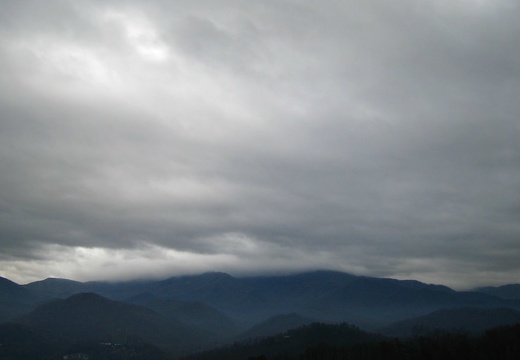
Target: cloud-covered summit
[{"x": 149, "y": 139}]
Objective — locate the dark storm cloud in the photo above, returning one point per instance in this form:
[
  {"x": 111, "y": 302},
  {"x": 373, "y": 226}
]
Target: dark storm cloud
[{"x": 373, "y": 137}]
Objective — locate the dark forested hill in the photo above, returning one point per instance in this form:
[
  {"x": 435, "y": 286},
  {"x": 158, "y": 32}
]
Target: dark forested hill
[
  {"x": 275, "y": 325},
  {"x": 20, "y": 342},
  {"x": 466, "y": 319},
  {"x": 292, "y": 342},
  {"x": 333, "y": 342},
  {"x": 217, "y": 325},
  {"x": 88, "y": 316}
]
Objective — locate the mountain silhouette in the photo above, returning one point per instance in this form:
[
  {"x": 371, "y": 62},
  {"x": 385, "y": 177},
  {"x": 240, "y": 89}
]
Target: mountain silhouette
[
  {"x": 55, "y": 288},
  {"x": 191, "y": 313},
  {"x": 14, "y": 300},
  {"x": 459, "y": 319},
  {"x": 509, "y": 291},
  {"x": 88, "y": 316},
  {"x": 322, "y": 295}
]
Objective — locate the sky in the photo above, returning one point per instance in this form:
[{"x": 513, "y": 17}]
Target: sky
[{"x": 147, "y": 139}]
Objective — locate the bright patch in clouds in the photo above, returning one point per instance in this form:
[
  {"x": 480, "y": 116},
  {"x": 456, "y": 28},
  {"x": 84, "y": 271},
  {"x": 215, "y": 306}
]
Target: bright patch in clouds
[
  {"x": 141, "y": 35},
  {"x": 236, "y": 253},
  {"x": 86, "y": 264},
  {"x": 67, "y": 63}
]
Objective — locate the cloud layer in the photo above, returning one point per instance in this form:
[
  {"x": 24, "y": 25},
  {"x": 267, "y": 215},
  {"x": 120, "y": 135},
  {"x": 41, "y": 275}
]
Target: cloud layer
[{"x": 166, "y": 137}]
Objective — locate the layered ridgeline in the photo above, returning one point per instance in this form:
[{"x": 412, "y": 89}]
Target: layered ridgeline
[
  {"x": 322, "y": 295},
  {"x": 470, "y": 320},
  {"x": 510, "y": 291},
  {"x": 189, "y": 314}
]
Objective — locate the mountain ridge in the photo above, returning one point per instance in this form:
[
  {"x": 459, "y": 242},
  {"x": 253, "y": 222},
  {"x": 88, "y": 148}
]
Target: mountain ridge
[
  {"x": 474, "y": 320},
  {"x": 330, "y": 296},
  {"x": 14, "y": 299},
  {"x": 92, "y": 317},
  {"x": 196, "y": 312},
  {"x": 507, "y": 291}
]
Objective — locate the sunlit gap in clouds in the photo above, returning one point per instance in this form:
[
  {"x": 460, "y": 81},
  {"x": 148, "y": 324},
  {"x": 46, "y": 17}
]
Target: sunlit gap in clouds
[
  {"x": 233, "y": 252},
  {"x": 98, "y": 263},
  {"x": 141, "y": 35}
]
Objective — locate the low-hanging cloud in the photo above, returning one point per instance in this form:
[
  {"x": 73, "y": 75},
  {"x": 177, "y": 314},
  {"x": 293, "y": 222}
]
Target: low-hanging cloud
[{"x": 376, "y": 138}]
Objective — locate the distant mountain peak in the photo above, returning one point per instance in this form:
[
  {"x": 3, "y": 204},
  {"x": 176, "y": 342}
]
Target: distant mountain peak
[
  {"x": 9, "y": 288},
  {"x": 6, "y": 282},
  {"x": 508, "y": 291},
  {"x": 60, "y": 280},
  {"x": 217, "y": 275}
]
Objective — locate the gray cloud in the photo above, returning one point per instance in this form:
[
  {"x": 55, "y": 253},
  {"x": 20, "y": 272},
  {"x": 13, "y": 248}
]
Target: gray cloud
[{"x": 377, "y": 138}]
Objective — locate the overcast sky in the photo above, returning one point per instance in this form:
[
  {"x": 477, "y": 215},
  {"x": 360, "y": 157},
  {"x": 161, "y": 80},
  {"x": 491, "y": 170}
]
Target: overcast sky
[{"x": 145, "y": 139}]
